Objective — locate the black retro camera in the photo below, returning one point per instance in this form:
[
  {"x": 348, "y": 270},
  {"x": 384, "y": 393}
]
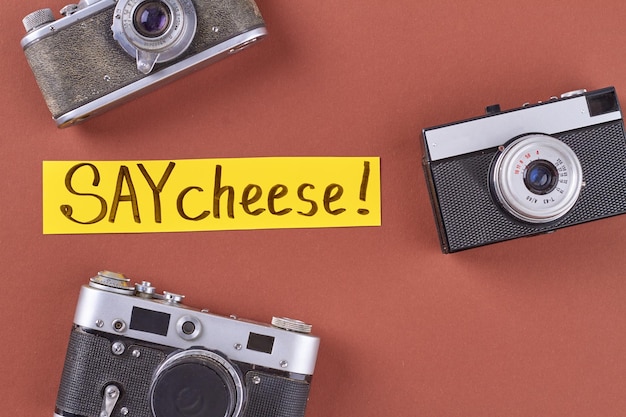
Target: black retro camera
[
  {"x": 527, "y": 171},
  {"x": 135, "y": 353}
]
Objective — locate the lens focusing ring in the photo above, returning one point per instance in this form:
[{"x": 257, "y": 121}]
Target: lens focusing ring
[
  {"x": 154, "y": 31},
  {"x": 537, "y": 178}
]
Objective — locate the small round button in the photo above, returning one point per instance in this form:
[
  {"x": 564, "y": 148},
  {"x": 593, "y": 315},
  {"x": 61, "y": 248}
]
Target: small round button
[
  {"x": 188, "y": 327},
  {"x": 173, "y": 298},
  {"x": 573, "y": 93},
  {"x": 145, "y": 289}
]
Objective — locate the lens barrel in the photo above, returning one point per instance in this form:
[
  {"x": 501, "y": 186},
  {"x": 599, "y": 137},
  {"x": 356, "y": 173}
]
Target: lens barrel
[
  {"x": 536, "y": 178},
  {"x": 196, "y": 383},
  {"x": 154, "y": 31}
]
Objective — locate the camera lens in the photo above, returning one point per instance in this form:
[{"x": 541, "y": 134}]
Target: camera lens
[
  {"x": 192, "y": 390},
  {"x": 154, "y": 31},
  {"x": 196, "y": 383},
  {"x": 152, "y": 19},
  {"x": 540, "y": 177},
  {"x": 536, "y": 178}
]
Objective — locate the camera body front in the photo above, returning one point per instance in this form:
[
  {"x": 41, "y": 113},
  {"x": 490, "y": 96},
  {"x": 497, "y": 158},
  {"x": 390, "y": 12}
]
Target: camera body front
[
  {"x": 133, "y": 352},
  {"x": 527, "y": 171},
  {"x": 104, "y": 52}
]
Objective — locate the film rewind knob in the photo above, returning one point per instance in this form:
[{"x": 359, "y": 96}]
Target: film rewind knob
[
  {"x": 291, "y": 325},
  {"x": 37, "y": 19}
]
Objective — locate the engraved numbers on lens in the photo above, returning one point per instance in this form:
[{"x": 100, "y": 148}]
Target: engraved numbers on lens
[
  {"x": 536, "y": 178},
  {"x": 154, "y": 31}
]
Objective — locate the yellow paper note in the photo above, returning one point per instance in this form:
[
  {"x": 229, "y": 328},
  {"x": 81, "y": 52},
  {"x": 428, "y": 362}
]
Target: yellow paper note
[{"x": 210, "y": 194}]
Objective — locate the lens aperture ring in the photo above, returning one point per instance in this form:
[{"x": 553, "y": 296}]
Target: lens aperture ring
[
  {"x": 537, "y": 178},
  {"x": 154, "y": 31}
]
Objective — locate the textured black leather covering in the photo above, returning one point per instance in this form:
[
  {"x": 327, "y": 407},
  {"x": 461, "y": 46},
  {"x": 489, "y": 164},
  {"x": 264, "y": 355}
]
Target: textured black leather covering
[
  {"x": 275, "y": 396},
  {"x": 90, "y": 367},
  {"x": 469, "y": 216},
  {"x": 83, "y": 62}
]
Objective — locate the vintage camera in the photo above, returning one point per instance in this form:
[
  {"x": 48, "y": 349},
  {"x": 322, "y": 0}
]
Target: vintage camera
[
  {"x": 105, "y": 52},
  {"x": 135, "y": 353},
  {"x": 527, "y": 171}
]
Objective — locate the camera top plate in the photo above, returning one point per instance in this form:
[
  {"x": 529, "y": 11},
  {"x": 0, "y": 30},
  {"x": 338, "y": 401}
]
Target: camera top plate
[
  {"x": 495, "y": 129},
  {"x": 141, "y": 314}
]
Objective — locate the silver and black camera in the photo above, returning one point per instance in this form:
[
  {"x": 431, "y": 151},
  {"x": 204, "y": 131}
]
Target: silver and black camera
[
  {"x": 104, "y": 52},
  {"x": 135, "y": 353},
  {"x": 527, "y": 171}
]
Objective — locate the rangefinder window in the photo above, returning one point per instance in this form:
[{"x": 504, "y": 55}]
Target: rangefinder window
[
  {"x": 149, "y": 321},
  {"x": 602, "y": 103},
  {"x": 260, "y": 343}
]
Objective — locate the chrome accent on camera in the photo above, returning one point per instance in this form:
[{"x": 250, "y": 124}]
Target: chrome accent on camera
[
  {"x": 69, "y": 9},
  {"x": 491, "y": 131},
  {"x": 82, "y": 12},
  {"x": 119, "y": 325},
  {"x": 112, "y": 281},
  {"x": 118, "y": 348},
  {"x": 574, "y": 93},
  {"x": 188, "y": 327},
  {"x": 556, "y": 189},
  {"x": 73, "y": 8},
  {"x": 175, "y": 30},
  {"x": 170, "y": 297},
  {"x": 145, "y": 289},
  {"x": 111, "y": 395},
  {"x": 286, "y": 323},
  {"x": 101, "y": 304}
]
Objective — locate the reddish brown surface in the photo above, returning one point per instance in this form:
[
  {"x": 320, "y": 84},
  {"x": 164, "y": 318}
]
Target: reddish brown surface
[{"x": 531, "y": 327}]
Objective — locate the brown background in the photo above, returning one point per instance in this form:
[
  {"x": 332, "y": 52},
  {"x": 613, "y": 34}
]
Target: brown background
[{"x": 531, "y": 327}]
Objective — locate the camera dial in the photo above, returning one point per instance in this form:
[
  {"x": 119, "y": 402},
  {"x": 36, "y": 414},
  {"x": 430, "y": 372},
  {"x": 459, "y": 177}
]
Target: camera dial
[
  {"x": 196, "y": 382},
  {"x": 573, "y": 93},
  {"x": 293, "y": 325},
  {"x": 145, "y": 289},
  {"x": 536, "y": 178},
  {"x": 37, "y": 19},
  {"x": 154, "y": 31},
  {"x": 113, "y": 282}
]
